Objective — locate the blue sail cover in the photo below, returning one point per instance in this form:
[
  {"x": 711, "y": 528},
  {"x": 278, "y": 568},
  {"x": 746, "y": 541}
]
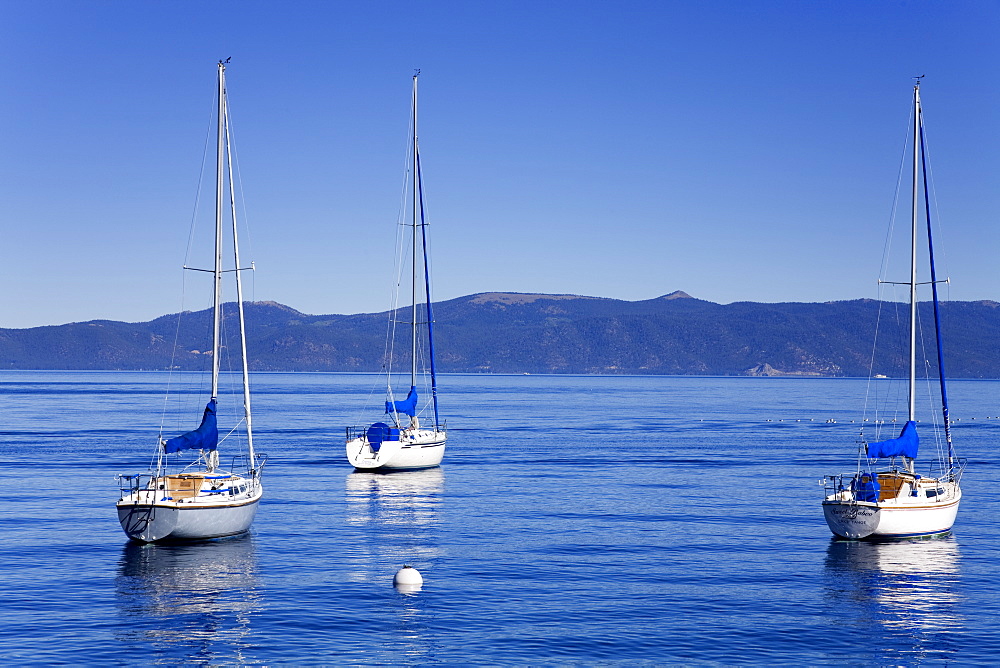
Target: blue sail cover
[
  {"x": 866, "y": 488},
  {"x": 407, "y": 406},
  {"x": 205, "y": 437},
  {"x": 905, "y": 445},
  {"x": 379, "y": 433}
]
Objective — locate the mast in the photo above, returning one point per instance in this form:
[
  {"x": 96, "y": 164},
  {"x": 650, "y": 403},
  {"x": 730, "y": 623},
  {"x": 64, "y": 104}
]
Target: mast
[
  {"x": 946, "y": 417},
  {"x": 427, "y": 293},
  {"x": 413, "y": 264},
  {"x": 912, "y": 401},
  {"x": 217, "y": 271},
  {"x": 239, "y": 295}
]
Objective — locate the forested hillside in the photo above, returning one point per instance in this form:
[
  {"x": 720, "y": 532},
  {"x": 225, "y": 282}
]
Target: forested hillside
[{"x": 524, "y": 333}]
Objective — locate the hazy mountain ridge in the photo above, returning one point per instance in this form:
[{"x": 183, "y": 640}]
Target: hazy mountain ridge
[{"x": 533, "y": 333}]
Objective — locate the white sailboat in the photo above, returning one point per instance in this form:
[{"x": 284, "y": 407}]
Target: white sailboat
[
  {"x": 892, "y": 500},
  {"x": 186, "y": 495},
  {"x": 403, "y": 443}
]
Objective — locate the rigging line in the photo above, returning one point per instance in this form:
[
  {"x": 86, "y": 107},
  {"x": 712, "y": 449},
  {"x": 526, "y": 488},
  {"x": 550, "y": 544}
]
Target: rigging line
[
  {"x": 201, "y": 180},
  {"x": 894, "y": 209},
  {"x": 392, "y": 319},
  {"x": 229, "y": 376},
  {"x": 156, "y": 461},
  {"x": 398, "y": 273},
  {"x": 182, "y": 408},
  {"x": 886, "y": 258},
  {"x": 231, "y": 432},
  {"x": 931, "y": 187},
  {"x": 938, "y": 220},
  {"x": 427, "y": 287},
  {"x": 887, "y": 399},
  {"x": 890, "y": 401},
  {"x": 902, "y": 343},
  {"x": 244, "y": 362},
  {"x": 185, "y": 403},
  {"x": 173, "y": 353},
  {"x": 886, "y": 252},
  {"x": 238, "y": 187},
  {"x": 929, "y": 393},
  {"x": 400, "y": 249},
  {"x": 871, "y": 362},
  {"x": 934, "y": 293},
  {"x": 366, "y": 406},
  {"x": 187, "y": 257}
]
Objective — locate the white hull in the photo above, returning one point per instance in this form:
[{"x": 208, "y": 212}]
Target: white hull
[
  {"x": 904, "y": 516},
  {"x": 422, "y": 450},
  {"x": 148, "y": 516}
]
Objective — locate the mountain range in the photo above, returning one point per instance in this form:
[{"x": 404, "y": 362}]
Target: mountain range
[{"x": 536, "y": 333}]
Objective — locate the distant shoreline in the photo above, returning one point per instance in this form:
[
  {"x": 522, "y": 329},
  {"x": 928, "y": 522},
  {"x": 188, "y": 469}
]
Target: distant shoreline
[
  {"x": 514, "y": 333},
  {"x": 500, "y": 375}
]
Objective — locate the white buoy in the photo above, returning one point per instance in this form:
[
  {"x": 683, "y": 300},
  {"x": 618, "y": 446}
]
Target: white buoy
[{"x": 408, "y": 576}]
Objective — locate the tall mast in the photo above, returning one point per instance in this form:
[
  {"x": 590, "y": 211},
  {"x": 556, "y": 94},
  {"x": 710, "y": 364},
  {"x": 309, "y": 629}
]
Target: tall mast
[
  {"x": 912, "y": 402},
  {"x": 217, "y": 272},
  {"x": 945, "y": 413},
  {"x": 427, "y": 296},
  {"x": 239, "y": 296},
  {"x": 413, "y": 264}
]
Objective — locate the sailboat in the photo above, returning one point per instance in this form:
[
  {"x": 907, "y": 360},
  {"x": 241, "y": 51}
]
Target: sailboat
[
  {"x": 401, "y": 442},
  {"x": 186, "y": 495},
  {"x": 885, "y": 498}
]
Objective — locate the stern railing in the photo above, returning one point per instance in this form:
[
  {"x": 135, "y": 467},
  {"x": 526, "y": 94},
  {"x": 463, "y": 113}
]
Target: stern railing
[
  {"x": 834, "y": 484},
  {"x": 360, "y": 431},
  {"x": 940, "y": 469},
  {"x": 133, "y": 484}
]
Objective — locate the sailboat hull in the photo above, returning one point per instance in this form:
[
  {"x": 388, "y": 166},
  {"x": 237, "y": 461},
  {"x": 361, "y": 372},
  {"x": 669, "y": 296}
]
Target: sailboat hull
[
  {"x": 851, "y": 520},
  {"x": 860, "y": 520},
  {"x": 425, "y": 451},
  {"x": 177, "y": 521}
]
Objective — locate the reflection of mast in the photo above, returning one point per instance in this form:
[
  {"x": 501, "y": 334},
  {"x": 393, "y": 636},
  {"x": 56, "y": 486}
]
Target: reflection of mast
[
  {"x": 406, "y": 498},
  {"x": 396, "y": 516}
]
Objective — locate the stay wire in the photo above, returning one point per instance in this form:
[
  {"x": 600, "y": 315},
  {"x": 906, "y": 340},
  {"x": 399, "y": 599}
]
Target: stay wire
[
  {"x": 192, "y": 227},
  {"x": 883, "y": 275},
  {"x": 392, "y": 317},
  {"x": 238, "y": 188}
]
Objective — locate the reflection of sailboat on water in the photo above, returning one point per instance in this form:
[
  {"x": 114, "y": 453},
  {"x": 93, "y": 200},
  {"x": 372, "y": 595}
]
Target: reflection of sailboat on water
[
  {"x": 410, "y": 498},
  {"x": 197, "y": 599},
  {"x": 397, "y": 515},
  {"x": 907, "y": 586}
]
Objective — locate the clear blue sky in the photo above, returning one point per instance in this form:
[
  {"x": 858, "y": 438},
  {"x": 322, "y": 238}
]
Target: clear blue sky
[{"x": 735, "y": 150}]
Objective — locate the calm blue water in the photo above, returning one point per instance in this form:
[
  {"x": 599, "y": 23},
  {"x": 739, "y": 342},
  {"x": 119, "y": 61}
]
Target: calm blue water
[{"x": 576, "y": 520}]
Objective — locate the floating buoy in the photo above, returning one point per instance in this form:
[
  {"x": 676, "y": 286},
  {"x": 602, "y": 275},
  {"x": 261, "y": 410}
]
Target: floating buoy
[{"x": 408, "y": 576}]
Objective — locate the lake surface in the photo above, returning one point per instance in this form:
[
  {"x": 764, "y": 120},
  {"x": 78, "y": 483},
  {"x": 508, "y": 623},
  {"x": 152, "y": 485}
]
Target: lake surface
[{"x": 575, "y": 520}]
